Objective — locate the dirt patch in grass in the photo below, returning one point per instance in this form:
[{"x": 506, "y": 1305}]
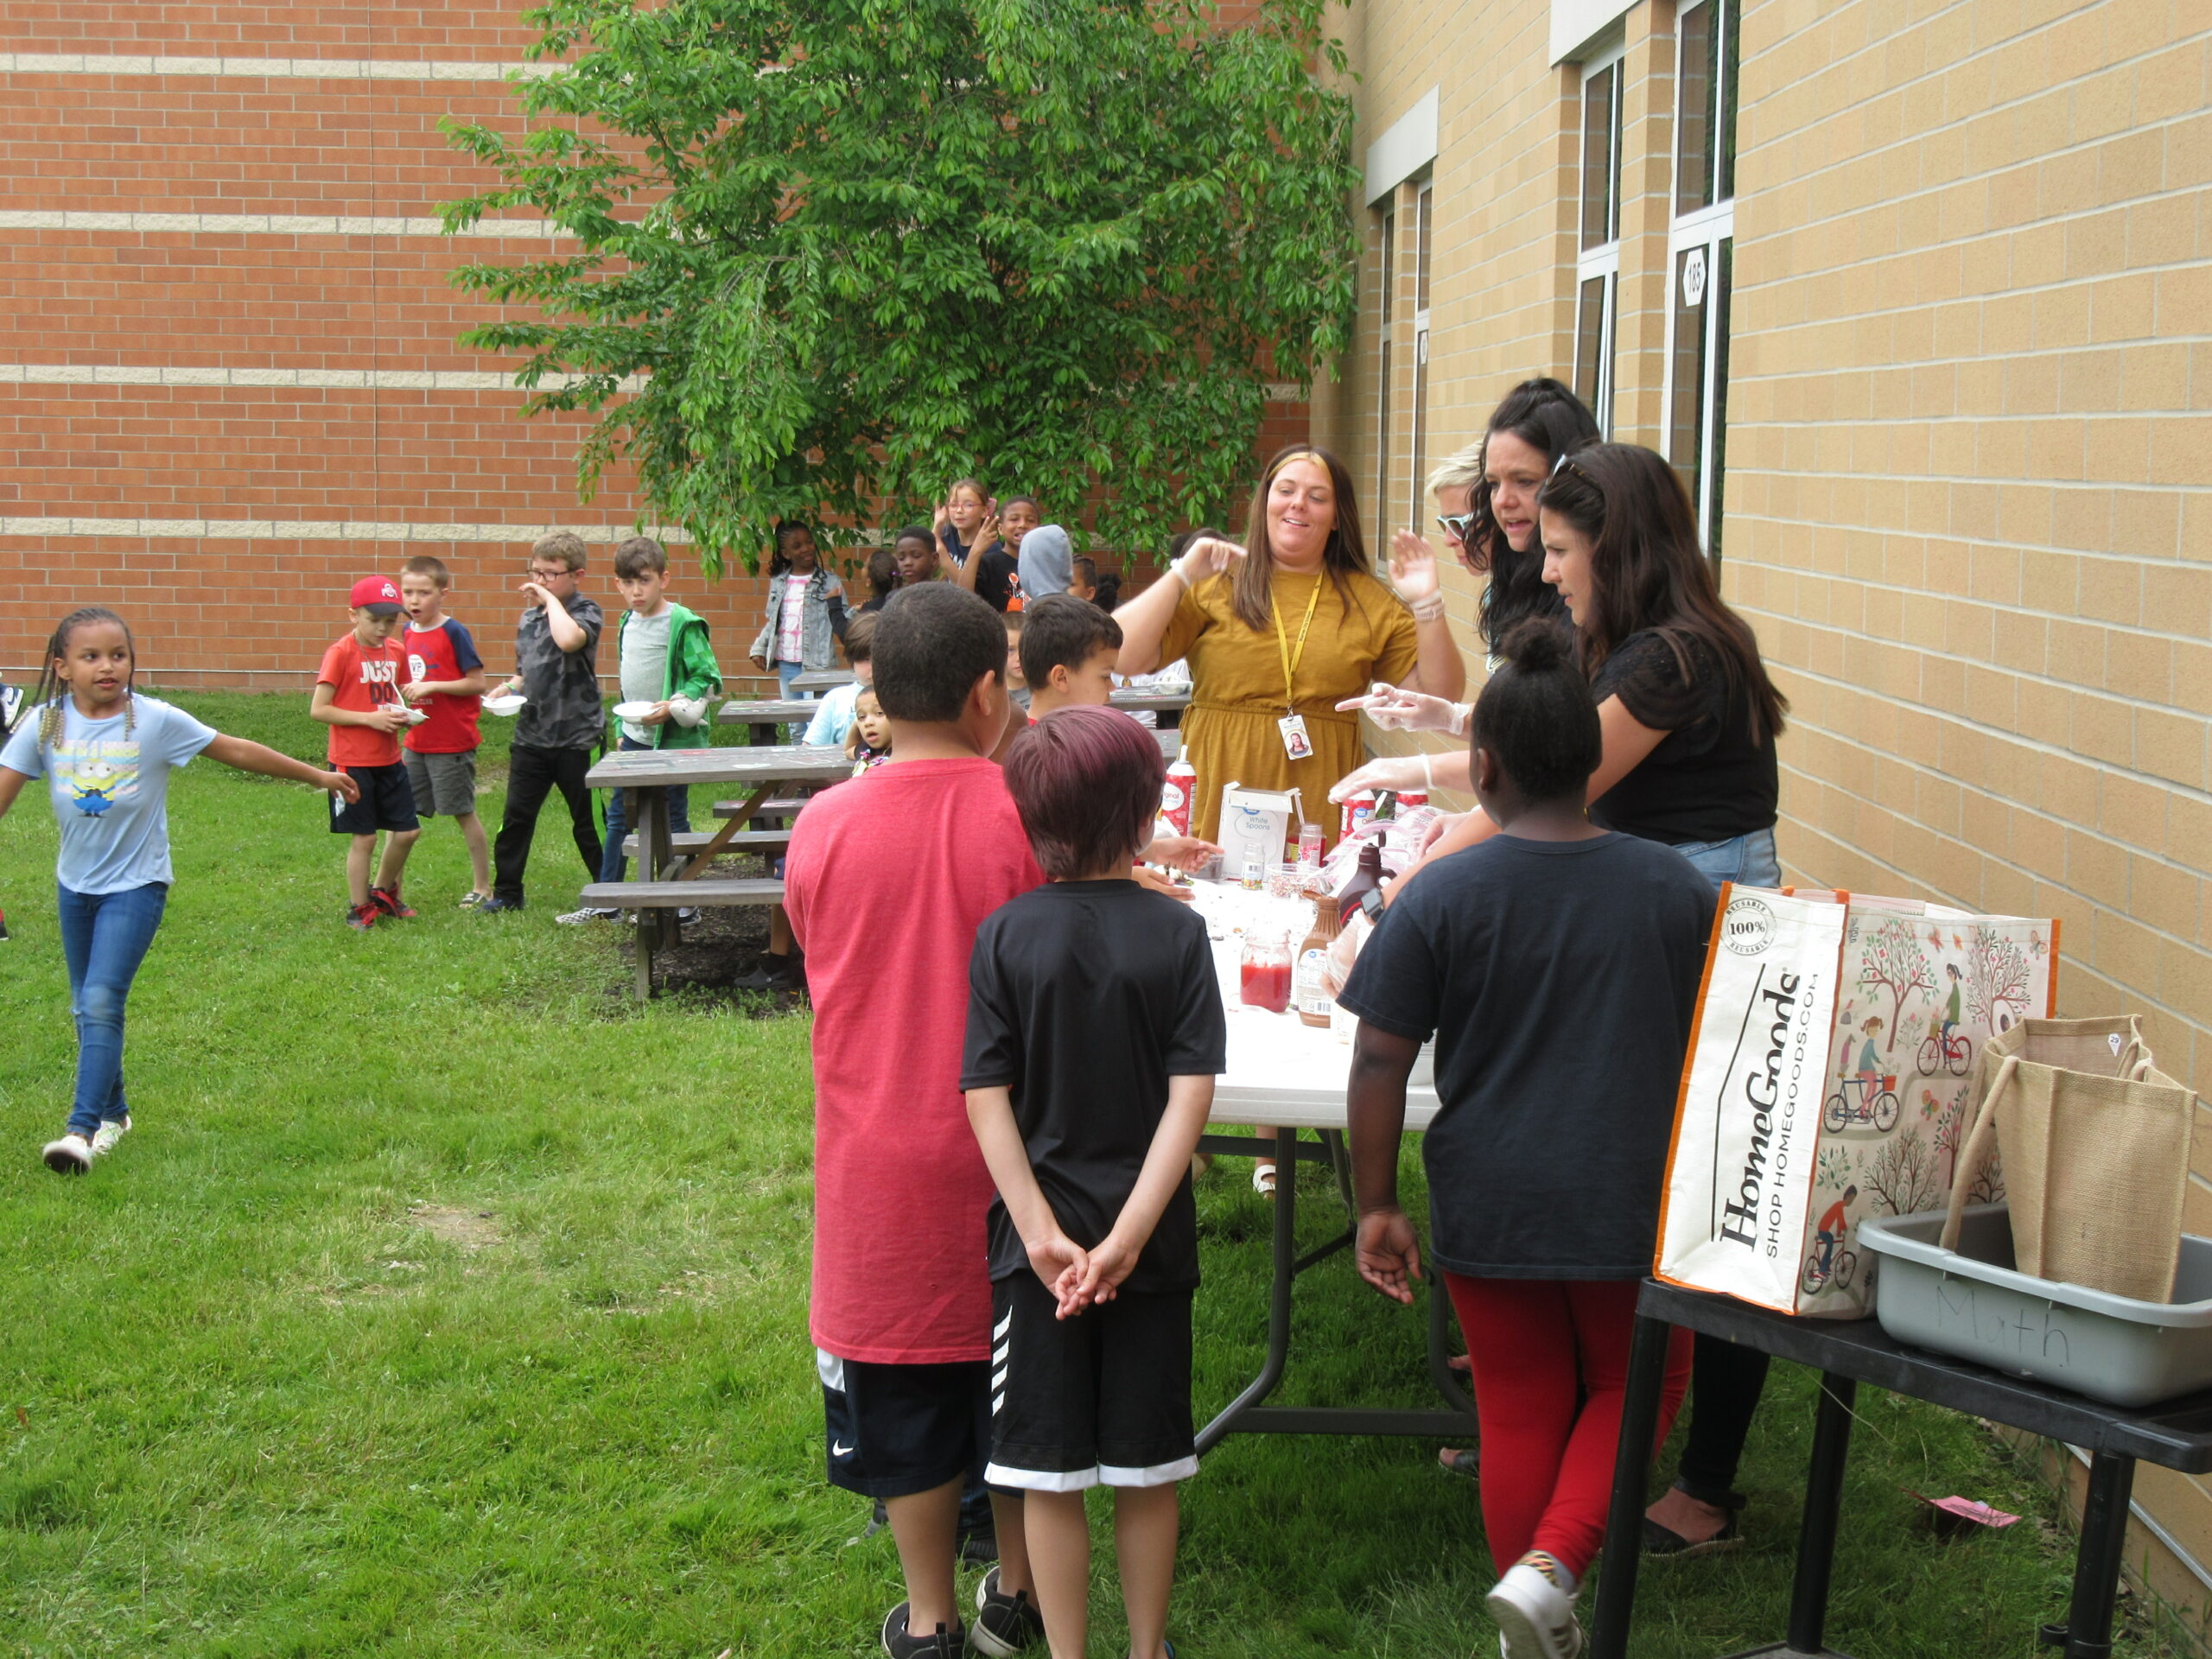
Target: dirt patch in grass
[{"x": 473, "y": 1230}]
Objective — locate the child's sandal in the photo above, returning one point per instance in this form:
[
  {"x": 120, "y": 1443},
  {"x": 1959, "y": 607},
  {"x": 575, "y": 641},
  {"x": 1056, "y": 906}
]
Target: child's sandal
[{"x": 1263, "y": 1179}]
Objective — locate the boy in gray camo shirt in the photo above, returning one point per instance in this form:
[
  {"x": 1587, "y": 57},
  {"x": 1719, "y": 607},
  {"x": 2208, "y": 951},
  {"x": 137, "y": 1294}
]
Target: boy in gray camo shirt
[{"x": 556, "y": 648}]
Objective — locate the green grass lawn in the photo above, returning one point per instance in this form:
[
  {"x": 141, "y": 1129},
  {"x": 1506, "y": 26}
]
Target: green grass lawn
[{"x": 445, "y": 1303}]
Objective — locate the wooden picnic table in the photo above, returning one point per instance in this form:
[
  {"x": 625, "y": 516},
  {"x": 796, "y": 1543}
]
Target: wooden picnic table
[
  {"x": 1167, "y": 705},
  {"x": 658, "y": 877},
  {"x": 767, "y": 714},
  {"x": 822, "y": 679}
]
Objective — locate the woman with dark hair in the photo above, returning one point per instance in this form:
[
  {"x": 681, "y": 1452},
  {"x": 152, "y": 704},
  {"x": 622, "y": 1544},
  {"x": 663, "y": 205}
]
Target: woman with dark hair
[
  {"x": 1486, "y": 497},
  {"x": 1279, "y": 630},
  {"x": 1689, "y": 719}
]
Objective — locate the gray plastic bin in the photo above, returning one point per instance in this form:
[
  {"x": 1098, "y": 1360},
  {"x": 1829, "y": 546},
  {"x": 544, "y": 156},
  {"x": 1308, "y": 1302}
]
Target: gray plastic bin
[{"x": 1974, "y": 1303}]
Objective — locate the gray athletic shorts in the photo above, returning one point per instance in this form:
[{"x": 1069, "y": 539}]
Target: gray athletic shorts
[{"x": 445, "y": 784}]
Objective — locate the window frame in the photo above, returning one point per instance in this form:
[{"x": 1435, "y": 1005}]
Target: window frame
[
  {"x": 1424, "y": 213},
  {"x": 1598, "y": 262},
  {"x": 1711, "y": 227}
]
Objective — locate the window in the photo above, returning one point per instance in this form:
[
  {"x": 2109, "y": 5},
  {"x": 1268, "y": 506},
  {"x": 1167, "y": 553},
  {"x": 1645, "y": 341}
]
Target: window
[
  {"x": 1385, "y": 360},
  {"x": 1700, "y": 246},
  {"x": 1598, "y": 264},
  {"x": 1422, "y": 220}
]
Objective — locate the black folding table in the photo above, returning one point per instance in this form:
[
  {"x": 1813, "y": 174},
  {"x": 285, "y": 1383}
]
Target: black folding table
[{"x": 2176, "y": 1435}]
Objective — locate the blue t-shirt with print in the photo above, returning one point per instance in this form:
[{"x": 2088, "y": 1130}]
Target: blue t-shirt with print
[{"x": 110, "y": 790}]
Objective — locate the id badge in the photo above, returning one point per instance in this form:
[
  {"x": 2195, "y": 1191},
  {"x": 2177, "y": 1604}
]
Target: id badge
[{"x": 1295, "y": 743}]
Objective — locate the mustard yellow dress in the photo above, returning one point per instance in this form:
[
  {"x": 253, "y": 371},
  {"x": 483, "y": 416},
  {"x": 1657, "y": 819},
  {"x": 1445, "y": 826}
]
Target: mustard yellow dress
[{"x": 1238, "y": 693}]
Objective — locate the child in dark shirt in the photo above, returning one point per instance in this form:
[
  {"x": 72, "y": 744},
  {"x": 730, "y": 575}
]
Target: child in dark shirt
[
  {"x": 1558, "y": 964},
  {"x": 1094, "y": 1032}
]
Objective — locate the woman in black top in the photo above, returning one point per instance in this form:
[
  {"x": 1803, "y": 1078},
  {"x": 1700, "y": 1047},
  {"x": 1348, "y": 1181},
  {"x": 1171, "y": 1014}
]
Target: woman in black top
[
  {"x": 1689, "y": 715},
  {"x": 1538, "y": 421}
]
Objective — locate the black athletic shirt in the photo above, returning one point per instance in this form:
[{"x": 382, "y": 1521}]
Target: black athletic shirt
[
  {"x": 1707, "y": 780},
  {"x": 1084, "y": 997},
  {"x": 1001, "y": 573},
  {"x": 1558, "y": 978}
]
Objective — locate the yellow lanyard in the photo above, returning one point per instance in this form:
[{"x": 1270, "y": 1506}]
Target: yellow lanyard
[{"x": 1291, "y": 659}]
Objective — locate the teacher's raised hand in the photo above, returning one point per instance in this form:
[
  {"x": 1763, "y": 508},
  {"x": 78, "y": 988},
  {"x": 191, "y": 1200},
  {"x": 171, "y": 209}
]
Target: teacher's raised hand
[
  {"x": 1413, "y": 566},
  {"x": 1207, "y": 556}
]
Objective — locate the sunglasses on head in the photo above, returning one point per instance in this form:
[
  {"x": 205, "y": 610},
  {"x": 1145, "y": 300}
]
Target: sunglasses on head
[{"x": 1456, "y": 525}]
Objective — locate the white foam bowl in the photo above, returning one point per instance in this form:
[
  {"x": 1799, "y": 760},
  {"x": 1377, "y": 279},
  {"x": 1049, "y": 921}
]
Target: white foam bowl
[{"x": 505, "y": 705}]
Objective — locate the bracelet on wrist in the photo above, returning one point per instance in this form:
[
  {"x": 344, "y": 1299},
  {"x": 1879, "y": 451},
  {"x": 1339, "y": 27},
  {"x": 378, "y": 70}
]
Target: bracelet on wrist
[
  {"x": 1428, "y": 608},
  {"x": 1427, "y": 769}
]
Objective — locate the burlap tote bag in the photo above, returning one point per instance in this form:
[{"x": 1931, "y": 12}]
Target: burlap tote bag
[{"x": 2094, "y": 1143}]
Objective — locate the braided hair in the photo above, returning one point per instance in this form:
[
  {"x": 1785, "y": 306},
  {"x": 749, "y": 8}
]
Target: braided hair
[{"x": 52, "y": 692}]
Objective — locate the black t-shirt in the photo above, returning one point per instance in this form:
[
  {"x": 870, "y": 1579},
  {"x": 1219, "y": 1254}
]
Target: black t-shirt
[
  {"x": 1559, "y": 979},
  {"x": 1001, "y": 573},
  {"x": 1707, "y": 780},
  {"x": 1084, "y": 997}
]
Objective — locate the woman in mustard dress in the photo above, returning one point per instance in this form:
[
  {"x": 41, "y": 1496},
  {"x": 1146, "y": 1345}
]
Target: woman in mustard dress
[
  {"x": 1279, "y": 632},
  {"x": 1290, "y": 624}
]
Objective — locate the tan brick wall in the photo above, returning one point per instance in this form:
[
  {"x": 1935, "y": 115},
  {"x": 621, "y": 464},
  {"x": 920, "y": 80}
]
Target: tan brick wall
[{"x": 1969, "y": 487}]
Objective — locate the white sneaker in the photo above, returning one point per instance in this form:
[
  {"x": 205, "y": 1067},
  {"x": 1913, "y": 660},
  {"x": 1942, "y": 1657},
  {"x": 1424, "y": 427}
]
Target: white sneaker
[
  {"x": 1536, "y": 1617},
  {"x": 578, "y": 917},
  {"x": 71, "y": 1155},
  {"x": 111, "y": 1131}
]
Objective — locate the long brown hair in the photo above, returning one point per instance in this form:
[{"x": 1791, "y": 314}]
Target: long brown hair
[
  {"x": 1346, "y": 552},
  {"x": 1650, "y": 575}
]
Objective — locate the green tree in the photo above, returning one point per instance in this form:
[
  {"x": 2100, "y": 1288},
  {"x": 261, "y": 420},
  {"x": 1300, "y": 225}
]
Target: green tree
[{"x": 853, "y": 249}]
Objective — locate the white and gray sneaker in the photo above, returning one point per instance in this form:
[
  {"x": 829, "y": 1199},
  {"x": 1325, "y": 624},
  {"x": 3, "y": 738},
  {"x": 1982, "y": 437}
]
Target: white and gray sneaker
[
  {"x": 111, "y": 1131},
  {"x": 588, "y": 913},
  {"x": 1535, "y": 1610},
  {"x": 71, "y": 1155}
]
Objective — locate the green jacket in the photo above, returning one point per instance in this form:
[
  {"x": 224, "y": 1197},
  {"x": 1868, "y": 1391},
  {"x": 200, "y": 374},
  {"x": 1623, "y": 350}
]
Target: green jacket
[{"x": 692, "y": 673}]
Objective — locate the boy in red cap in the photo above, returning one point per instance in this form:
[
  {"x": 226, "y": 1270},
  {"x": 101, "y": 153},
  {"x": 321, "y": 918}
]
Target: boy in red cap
[{"x": 357, "y": 696}]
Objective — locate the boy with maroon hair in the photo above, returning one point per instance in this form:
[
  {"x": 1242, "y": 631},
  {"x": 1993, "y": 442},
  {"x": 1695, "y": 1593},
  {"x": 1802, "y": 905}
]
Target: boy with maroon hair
[
  {"x": 887, "y": 878},
  {"x": 1094, "y": 1033}
]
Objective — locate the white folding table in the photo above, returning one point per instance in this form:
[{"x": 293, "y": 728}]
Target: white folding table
[{"x": 1286, "y": 1075}]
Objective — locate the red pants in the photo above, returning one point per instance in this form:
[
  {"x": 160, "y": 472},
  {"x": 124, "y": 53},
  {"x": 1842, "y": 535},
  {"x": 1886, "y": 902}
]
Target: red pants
[{"x": 1550, "y": 1368}]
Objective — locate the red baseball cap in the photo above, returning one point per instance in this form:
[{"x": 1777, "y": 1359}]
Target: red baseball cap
[{"x": 376, "y": 596}]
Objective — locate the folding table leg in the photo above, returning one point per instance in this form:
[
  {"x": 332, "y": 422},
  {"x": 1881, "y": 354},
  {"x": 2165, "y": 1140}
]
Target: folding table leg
[
  {"x": 1809, "y": 1593},
  {"x": 2097, "y": 1559},
  {"x": 1647, "y": 1379},
  {"x": 1286, "y": 1273}
]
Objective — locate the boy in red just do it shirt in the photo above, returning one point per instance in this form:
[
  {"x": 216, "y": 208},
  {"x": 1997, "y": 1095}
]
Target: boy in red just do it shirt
[
  {"x": 357, "y": 696},
  {"x": 888, "y": 877},
  {"x": 445, "y": 681}
]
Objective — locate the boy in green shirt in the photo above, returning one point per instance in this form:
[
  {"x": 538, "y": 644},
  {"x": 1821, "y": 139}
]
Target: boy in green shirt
[{"x": 664, "y": 660}]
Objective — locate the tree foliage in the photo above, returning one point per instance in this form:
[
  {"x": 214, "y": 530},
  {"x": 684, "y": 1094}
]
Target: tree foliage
[{"x": 853, "y": 248}]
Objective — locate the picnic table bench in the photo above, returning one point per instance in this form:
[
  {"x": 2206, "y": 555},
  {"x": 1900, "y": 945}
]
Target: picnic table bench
[{"x": 661, "y": 880}]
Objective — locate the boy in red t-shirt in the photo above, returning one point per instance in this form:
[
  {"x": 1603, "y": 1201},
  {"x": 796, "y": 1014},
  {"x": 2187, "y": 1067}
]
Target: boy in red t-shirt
[
  {"x": 445, "y": 681},
  {"x": 888, "y": 877},
  {"x": 357, "y": 696}
]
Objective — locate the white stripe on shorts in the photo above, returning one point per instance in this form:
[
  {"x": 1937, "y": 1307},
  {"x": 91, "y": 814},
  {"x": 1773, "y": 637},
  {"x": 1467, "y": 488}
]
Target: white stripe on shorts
[
  {"x": 1038, "y": 1480},
  {"x": 1160, "y": 1474}
]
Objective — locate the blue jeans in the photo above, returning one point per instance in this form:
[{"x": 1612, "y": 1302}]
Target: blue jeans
[
  {"x": 1749, "y": 861},
  {"x": 611, "y": 864},
  {"x": 105, "y": 936}
]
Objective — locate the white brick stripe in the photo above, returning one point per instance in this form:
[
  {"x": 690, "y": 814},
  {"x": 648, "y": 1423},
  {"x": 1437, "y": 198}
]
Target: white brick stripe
[
  {"x": 314, "y": 530},
  {"x": 80, "y": 63},
  {"x": 272, "y": 225},
  {"x": 103, "y": 374}
]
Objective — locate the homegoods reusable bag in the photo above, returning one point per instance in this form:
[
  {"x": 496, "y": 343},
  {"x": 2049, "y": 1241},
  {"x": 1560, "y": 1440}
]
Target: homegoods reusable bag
[
  {"x": 2094, "y": 1143},
  {"x": 1827, "y": 1078}
]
